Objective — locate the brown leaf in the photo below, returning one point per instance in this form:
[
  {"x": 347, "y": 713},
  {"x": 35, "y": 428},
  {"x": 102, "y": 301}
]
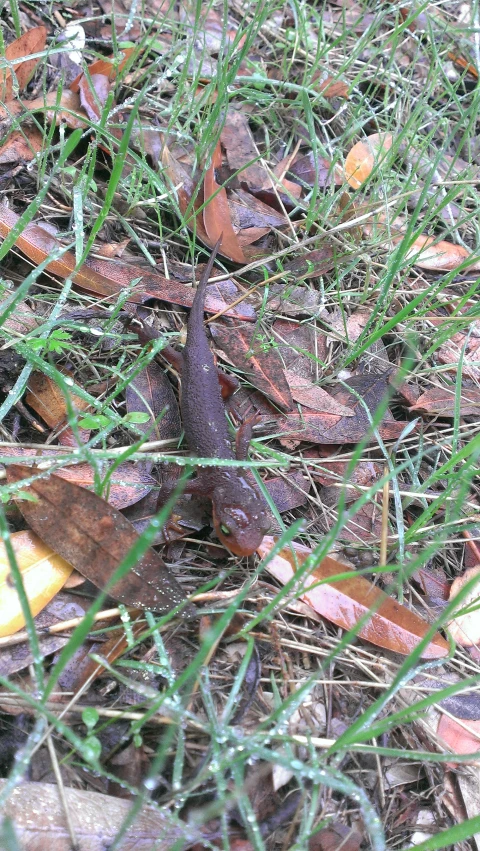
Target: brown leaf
[
  {"x": 128, "y": 484},
  {"x": 263, "y": 369},
  {"x": 345, "y": 602},
  {"x": 288, "y": 492},
  {"x": 362, "y": 158},
  {"x": 329, "y": 86},
  {"x": 216, "y": 213},
  {"x": 48, "y": 401},
  {"x": 427, "y": 253},
  {"x": 33, "y": 41},
  {"x": 328, "y": 428},
  {"x": 105, "y": 67},
  {"x": 95, "y": 538},
  {"x": 315, "y": 397},
  {"x": 102, "y": 277},
  {"x": 151, "y": 392},
  {"x": 441, "y": 401},
  {"x": 316, "y": 171},
  {"x": 242, "y": 153},
  {"x": 93, "y": 93},
  {"x": 64, "y": 110},
  {"x": 16, "y": 656},
  {"x": 314, "y": 263},
  {"x": 38, "y": 819},
  {"x": 21, "y": 146}
]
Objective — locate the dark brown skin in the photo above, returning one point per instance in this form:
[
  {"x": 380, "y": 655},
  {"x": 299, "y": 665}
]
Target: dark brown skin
[{"x": 240, "y": 514}]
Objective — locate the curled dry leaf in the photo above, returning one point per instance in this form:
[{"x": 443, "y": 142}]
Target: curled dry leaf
[
  {"x": 95, "y": 538},
  {"x": 93, "y": 93},
  {"x": 435, "y": 256},
  {"x": 347, "y": 601},
  {"x": 216, "y": 213},
  {"x": 465, "y": 628},
  {"x": 33, "y": 41},
  {"x": 43, "y": 573},
  {"x": 38, "y": 818},
  {"x": 362, "y": 158}
]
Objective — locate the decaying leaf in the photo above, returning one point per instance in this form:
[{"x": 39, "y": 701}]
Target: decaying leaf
[
  {"x": 263, "y": 368},
  {"x": 216, "y": 213},
  {"x": 63, "y": 607},
  {"x": 347, "y": 601},
  {"x": 461, "y": 737},
  {"x": 33, "y": 41},
  {"x": 150, "y": 392},
  {"x": 43, "y": 572},
  {"x": 95, "y": 538},
  {"x": 441, "y": 401},
  {"x": 128, "y": 484},
  {"x": 47, "y": 400},
  {"x": 21, "y": 146},
  {"x": 38, "y": 818}
]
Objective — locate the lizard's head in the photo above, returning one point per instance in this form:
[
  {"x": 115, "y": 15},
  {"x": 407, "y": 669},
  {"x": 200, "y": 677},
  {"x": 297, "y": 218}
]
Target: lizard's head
[{"x": 240, "y": 516}]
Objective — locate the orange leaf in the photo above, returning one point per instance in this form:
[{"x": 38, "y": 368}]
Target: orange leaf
[
  {"x": 30, "y": 42},
  {"x": 216, "y": 213},
  {"x": 107, "y": 67},
  {"x": 460, "y": 736},
  {"x": 465, "y": 629},
  {"x": 364, "y": 156},
  {"x": 347, "y": 601}
]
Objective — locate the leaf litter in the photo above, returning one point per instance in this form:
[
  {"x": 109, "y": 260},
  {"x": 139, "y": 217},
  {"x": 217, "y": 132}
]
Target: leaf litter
[{"x": 299, "y": 212}]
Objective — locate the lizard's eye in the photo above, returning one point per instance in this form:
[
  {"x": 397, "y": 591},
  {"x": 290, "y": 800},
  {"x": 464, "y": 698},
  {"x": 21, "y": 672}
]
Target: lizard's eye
[{"x": 224, "y": 529}]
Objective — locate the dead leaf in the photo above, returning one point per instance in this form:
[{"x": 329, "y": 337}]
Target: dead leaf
[
  {"x": 326, "y": 428},
  {"x": 427, "y": 253},
  {"x": 263, "y": 368},
  {"x": 48, "y": 401},
  {"x": 105, "y": 67},
  {"x": 315, "y": 397},
  {"x": 38, "y": 818},
  {"x": 102, "y": 277},
  {"x": 441, "y": 401},
  {"x": 288, "y": 492},
  {"x": 128, "y": 484},
  {"x": 21, "y": 146},
  {"x": 329, "y": 86},
  {"x": 44, "y": 573},
  {"x": 366, "y": 154},
  {"x": 461, "y": 738},
  {"x": 64, "y": 110},
  {"x": 95, "y": 538},
  {"x": 345, "y": 602},
  {"x": 33, "y": 41},
  {"x": 150, "y": 392},
  {"x": 93, "y": 93},
  {"x": 242, "y": 153},
  {"x": 63, "y": 607},
  {"x": 465, "y": 629},
  {"x": 216, "y": 213},
  {"x": 316, "y": 171}
]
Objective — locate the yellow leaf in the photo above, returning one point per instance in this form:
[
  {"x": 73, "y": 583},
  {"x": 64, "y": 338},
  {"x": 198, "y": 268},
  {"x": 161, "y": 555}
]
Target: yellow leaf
[{"x": 44, "y": 573}]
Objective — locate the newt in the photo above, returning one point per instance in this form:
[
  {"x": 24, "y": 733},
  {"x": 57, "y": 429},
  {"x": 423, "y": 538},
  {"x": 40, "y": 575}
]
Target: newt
[{"x": 240, "y": 513}]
